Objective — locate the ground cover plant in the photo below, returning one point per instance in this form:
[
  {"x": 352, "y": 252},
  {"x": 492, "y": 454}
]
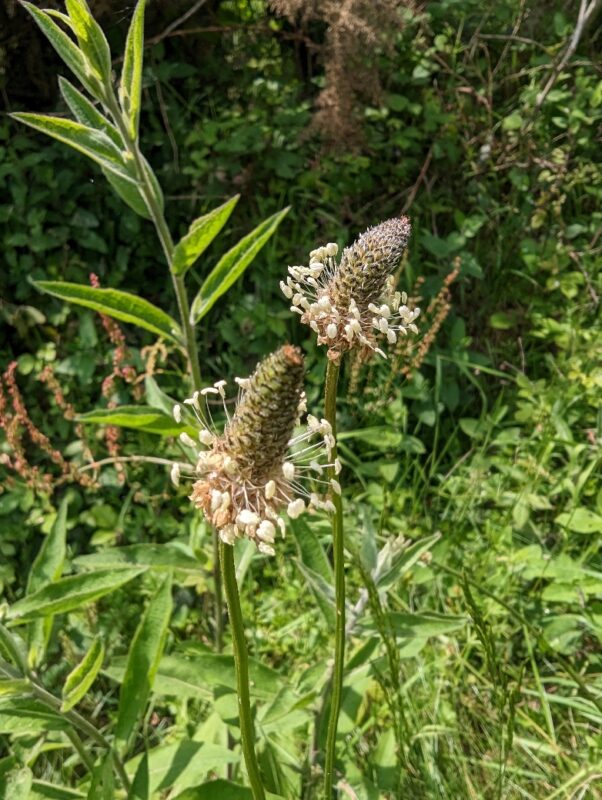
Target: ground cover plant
[{"x": 468, "y": 460}]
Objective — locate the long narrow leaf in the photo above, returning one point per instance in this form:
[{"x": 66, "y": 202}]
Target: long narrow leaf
[
  {"x": 143, "y": 660},
  {"x": 115, "y": 303},
  {"x": 67, "y": 50},
  {"x": 92, "y": 40},
  {"x": 139, "y": 418},
  {"x": 86, "y": 112},
  {"x": 232, "y": 265},
  {"x": 47, "y": 568},
  {"x": 92, "y": 143},
  {"x": 130, "y": 88},
  {"x": 82, "y": 677},
  {"x": 70, "y": 593},
  {"x": 200, "y": 235}
]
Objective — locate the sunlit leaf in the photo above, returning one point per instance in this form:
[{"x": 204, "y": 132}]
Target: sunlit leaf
[
  {"x": 232, "y": 265},
  {"x": 92, "y": 40},
  {"x": 82, "y": 677},
  {"x": 140, "y": 418},
  {"x": 130, "y": 88},
  {"x": 115, "y": 303},
  {"x": 200, "y": 235}
]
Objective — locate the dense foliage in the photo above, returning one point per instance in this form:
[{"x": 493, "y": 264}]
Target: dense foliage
[{"x": 474, "y": 664}]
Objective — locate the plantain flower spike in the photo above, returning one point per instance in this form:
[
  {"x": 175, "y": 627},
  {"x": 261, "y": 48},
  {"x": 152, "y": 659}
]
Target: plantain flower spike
[
  {"x": 354, "y": 303},
  {"x": 259, "y": 467}
]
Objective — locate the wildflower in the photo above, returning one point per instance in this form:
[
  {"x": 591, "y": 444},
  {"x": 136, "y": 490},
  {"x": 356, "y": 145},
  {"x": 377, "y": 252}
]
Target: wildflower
[
  {"x": 354, "y": 303},
  {"x": 252, "y": 472}
]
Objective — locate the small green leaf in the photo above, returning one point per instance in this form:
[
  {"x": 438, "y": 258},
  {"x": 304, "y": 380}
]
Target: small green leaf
[
  {"x": 13, "y": 648},
  {"x": 130, "y": 88},
  {"x": 22, "y": 716},
  {"x": 82, "y": 677},
  {"x": 67, "y": 49},
  {"x": 216, "y": 790},
  {"x": 143, "y": 661},
  {"x": 70, "y": 593},
  {"x": 42, "y": 790},
  {"x": 422, "y": 626},
  {"x": 231, "y": 266},
  {"x": 129, "y": 193},
  {"x": 18, "y": 784},
  {"x": 102, "y": 785},
  {"x": 92, "y": 143},
  {"x": 92, "y": 40},
  {"x": 87, "y": 114},
  {"x": 315, "y": 568},
  {"x": 115, "y": 303},
  {"x": 139, "y": 418},
  {"x": 582, "y": 520},
  {"x": 200, "y": 235}
]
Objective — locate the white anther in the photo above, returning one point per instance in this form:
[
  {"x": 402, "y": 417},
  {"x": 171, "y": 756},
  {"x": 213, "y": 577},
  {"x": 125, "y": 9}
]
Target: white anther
[
  {"x": 296, "y": 310},
  {"x": 286, "y": 290},
  {"x": 209, "y": 390},
  {"x": 281, "y": 526},
  {"x": 270, "y": 490},
  {"x": 247, "y": 517},
  {"x": 175, "y": 474},
  {"x": 331, "y": 330},
  {"x": 373, "y": 308},
  {"x": 187, "y": 440},
  {"x": 316, "y": 467},
  {"x": 206, "y": 437},
  {"x": 391, "y": 336},
  {"x": 177, "y": 413},
  {"x": 314, "y": 326},
  {"x": 413, "y": 327},
  {"x": 383, "y": 325},
  {"x": 404, "y": 297},
  {"x": 228, "y": 534},
  {"x": 332, "y": 249},
  {"x": 324, "y": 303},
  {"x": 288, "y": 470},
  {"x": 337, "y": 466},
  {"x": 230, "y": 465},
  {"x": 266, "y": 549},
  {"x": 266, "y": 531},
  {"x": 242, "y": 382},
  {"x": 385, "y": 311},
  {"x": 325, "y": 426},
  {"x": 216, "y": 499},
  {"x": 336, "y": 486},
  {"x": 296, "y": 508},
  {"x": 313, "y": 423}
]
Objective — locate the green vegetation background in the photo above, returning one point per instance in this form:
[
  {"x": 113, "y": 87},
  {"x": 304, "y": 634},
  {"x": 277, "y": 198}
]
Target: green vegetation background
[{"x": 495, "y": 441}]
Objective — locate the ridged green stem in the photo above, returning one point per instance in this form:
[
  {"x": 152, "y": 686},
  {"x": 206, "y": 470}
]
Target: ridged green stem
[
  {"x": 330, "y": 413},
  {"x": 190, "y": 345},
  {"x": 241, "y": 662}
]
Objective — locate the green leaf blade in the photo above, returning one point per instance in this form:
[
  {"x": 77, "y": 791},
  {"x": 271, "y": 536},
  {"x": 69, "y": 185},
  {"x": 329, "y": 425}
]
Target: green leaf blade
[
  {"x": 70, "y": 593},
  {"x": 83, "y": 676},
  {"x": 143, "y": 661},
  {"x": 232, "y": 265},
  {"x": 95, "y": 144},
  {"x": 91, "y": 38},
  {"x": 139, "y": 418},
  {"x": 130, "y": 88},
  {"x": 200, "y": 235},
  {"x": 66, "y": 48},
  {"x": 115, "y": 303}
]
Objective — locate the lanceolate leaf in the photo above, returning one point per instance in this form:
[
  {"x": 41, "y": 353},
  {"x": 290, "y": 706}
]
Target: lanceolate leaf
[
  {"x": 86, "y": 112},
  {"x": 232, "y": 265},
  {"x": 130, "y": 89},
  {"x": 93, "y": 143},
  {"x": 70, "y": 593},
  {"x": 143, "y": 660},
  {"x": 140, "y": 418},
  {"x": 160, "y": 557},
  {"x": 82, "y": 677},
  {"x": 91, "y": 39},
  {"x": 66, "y": 48},
  {"x": 115, "y": 303},
  {"x": 200, "y": 235},
  {"x": 140, "y": 789},
  {"x": 47, "y": 568}
]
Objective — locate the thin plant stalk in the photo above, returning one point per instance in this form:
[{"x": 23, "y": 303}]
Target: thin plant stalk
[
  {"x": 190, "y": 346},
  {"x": 241, "y": 662},
  {"x": 330, "y": 400}
]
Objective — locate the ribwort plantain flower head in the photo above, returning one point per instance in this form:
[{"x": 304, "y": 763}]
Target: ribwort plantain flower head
[
  {"x": 354, "y": 303},
  {"x": 258, "y": 467}
]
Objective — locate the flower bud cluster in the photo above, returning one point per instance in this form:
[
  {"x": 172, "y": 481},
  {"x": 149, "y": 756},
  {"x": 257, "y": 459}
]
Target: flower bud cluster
[{"x": 354, "y": 303}]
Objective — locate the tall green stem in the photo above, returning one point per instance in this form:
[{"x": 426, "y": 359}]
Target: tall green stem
[
  {"x": 330, "y": 412},
  {"x": 241, "y": 662},
  {"x": 165, "y": 238}
]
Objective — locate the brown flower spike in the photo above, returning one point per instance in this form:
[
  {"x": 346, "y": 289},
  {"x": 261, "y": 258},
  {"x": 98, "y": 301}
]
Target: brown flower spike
[
  {"x": 352, "y": 303},
  {"x": 252, "y": 472}
]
